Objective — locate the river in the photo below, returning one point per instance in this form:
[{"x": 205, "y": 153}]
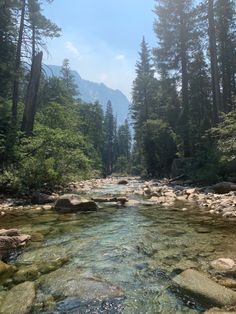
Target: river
[{"x": 137, "y": 248}]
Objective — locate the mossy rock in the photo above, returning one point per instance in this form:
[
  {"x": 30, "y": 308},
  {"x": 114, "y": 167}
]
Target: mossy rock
[{"x": 6, "y": 271}]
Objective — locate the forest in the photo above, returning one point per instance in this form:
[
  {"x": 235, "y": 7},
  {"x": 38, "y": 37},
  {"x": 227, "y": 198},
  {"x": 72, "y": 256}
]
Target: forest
[{"x": 182, "y": 111}]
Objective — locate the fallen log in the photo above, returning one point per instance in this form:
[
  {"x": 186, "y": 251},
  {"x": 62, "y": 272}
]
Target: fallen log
[{"x": 121, "y": 200}]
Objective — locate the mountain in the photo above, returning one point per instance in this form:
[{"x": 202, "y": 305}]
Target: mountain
[{"x": 91, "y": 92}]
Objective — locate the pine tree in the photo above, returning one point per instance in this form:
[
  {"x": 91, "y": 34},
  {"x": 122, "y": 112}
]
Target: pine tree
[
  {"x": 7, "y": 47},
  {"x": 109, "y": 135},
  {"x": 226, "y": 31},
  {"x": 200, "y": 97},
  {"x": 68, "y": 79},
  {"x": 214, "y": 61},
  {"x": 174, "y": 28},
  {"x": 143, "y": 93},
  {"x": 124, "y": 140}
]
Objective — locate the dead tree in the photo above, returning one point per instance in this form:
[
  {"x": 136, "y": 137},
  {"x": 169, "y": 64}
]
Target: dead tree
[{"x": 31, "y": 97}]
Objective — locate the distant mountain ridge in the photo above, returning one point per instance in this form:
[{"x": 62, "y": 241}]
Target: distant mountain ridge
[{"x": 91, "y": 92}]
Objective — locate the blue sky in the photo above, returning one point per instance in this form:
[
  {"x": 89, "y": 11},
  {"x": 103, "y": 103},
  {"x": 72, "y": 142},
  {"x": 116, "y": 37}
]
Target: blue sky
[{"x": 101, "y": 38}]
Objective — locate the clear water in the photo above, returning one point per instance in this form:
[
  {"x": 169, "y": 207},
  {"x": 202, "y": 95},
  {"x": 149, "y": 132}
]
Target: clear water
[{"x": 136, "y": 248}]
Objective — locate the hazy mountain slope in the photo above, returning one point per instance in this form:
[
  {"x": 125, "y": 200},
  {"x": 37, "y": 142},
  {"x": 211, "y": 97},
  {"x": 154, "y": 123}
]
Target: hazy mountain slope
[{"x": 91, "y": 91}]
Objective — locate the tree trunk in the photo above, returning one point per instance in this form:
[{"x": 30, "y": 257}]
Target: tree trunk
[
  {"x": 15, "y": 94},
  {"x": 31, "y": 97},
  {"x": 185, "y": 89},
  {"x": 214, "y": 62}
]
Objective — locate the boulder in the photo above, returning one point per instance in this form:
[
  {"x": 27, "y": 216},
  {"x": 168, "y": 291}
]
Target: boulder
[
  {"x": 19, "y": 299},
  {"x": 223, "y": 264},
  {"x": 14, "y": 242},
  {"x": 74, "y": 203},
  {"x": 224, "y": 187},
  {"x": 205, "y": 290},
  {"x": 12, "y": 239},
  {"x": 123, "y": 182}
]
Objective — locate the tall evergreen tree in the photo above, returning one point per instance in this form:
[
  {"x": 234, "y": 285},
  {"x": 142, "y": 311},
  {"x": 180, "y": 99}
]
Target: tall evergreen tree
[
  {"x": 174, "y": 28},
  {"x": 7, "y": 46},
  {"x": 109, "y": 136},
  {"x": 214, "y": 61},
  {"x": 68, "y": 79},
  {"x": 143, "y": 88},
  {"x": 225, "y": 34},
  {"x": 200, "y": 97},
  {"x": 143, "y": 93}
]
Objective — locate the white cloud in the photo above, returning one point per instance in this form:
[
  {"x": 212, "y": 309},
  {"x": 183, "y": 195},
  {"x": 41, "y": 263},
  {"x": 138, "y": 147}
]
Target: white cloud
[
  {"x": 70, "y": 47},
  {"x": 120, "y": 57}
]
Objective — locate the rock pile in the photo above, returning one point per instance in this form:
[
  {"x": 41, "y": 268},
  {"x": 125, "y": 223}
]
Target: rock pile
[{"x": 168, "y": 195}]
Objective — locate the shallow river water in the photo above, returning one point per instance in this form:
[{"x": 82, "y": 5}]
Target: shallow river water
[{"x": 136, "y": 248}]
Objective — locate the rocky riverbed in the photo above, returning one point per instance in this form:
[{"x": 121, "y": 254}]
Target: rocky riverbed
[
  {"x": 146, "y": 247},
  {"x": 167, "y": 193},
  {"x": 159, "y": 192}
]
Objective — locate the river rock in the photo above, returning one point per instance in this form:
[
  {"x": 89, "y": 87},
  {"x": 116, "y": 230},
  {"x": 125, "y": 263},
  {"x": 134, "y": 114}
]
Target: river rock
[
  {"x": 219, "y": 311},
  {"x": 19, "y": 300},
  {"x": 228, "y": 282},
  {"x": 224, "y": 187},
  {"x": 223, "y": 264},
  {"x": 74, "y": 203},
  {"x": 123, "y": 182},
  {"x": 205, "y": 290},
  {"x": 12, "y": 239},
  {"x": 9, "y": 232},
  {"x": 6, "y": 270},
  {"x": 65, "y": 282},
  {"x": 26, "y": 273}
]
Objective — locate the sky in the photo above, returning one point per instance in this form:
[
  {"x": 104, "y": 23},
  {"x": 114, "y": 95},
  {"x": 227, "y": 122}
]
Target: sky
[{"x": 101, "y": 38}]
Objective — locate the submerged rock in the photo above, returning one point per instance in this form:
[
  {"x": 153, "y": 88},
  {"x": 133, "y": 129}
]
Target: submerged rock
[
  {"x": 223, "y": 264},
  {"x": 64, "y": 283},
  {"x": 205, "y": 290},
  {"x": 6, "y": 270},
  {"x": 74, "y": 203},
  {"x": 19, "y": 300},
  {"x": 26, "y": 273}
]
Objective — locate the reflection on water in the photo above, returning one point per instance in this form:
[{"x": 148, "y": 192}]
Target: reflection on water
[{"x": 136, "y": 249}]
